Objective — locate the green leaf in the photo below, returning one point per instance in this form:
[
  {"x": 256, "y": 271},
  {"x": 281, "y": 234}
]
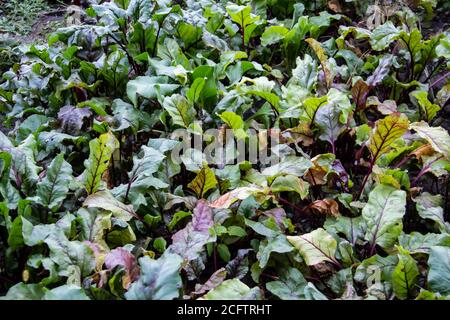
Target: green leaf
[
  {"x": 305, "y": 73},
  {"x": 177, "y": 217},
  {"x": 7, "y": 191},
  {"x": 327, "y": 119},
  {"x": 146, "y": 163},
  {"x": 311, "y": 106},
  {"x": 15, "y": 236},
  {"x": 233, "y": 289},
  {"x": 149, "y": 87},
  {"x": 416, "y": 242},
  {"x": 101, "y": 150},
  {"x": 195, "y": 91},
  {"x": 54, "y": 187},
  {"x": 224, "y": 252},
  {"x": 430, "y": 207},
  {"x": 429, "y": 109},
  {"x": 443, "y": 49},
  {"x": 22, "y": 291},
  {"x": 278, "y": 244},
  {"x": 235, "y": 122},
  {"x": 383, "y": 215},
  {"x": 273, "y": 34},
  {"x": 159, "y": 280},
  {"x": 180, "y": 109},
  {"x": 241, "y": 15},
  {"x": 352, "y": 228},
  {"x": 106, "y": 201},
  {"x": 290, "y": 286},
  {"x": 94, "y": 224},
  {"x": 296, "y": 166},
  {"x": 439, "y": 270},
  {"x": 66, "y": 292},
  {"x": 204, "y": 181},
  {"x": 376, "y": 268},
  {"x": 315, "y": 247},
  {"x": 291, "y": 183},
  {"x": 405, "y": 275},
  {"x": 160, "y": 244},
  {"x": 189, "y": 33},
  {"x": 383, "y": 36},
  {"x": 321, "y": 55}
]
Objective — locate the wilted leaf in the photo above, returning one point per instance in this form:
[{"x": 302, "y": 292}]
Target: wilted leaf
[{"x": 326, "y": 206}]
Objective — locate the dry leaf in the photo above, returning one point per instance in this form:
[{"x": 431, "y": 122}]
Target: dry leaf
[{"x": 326, "y": 206}]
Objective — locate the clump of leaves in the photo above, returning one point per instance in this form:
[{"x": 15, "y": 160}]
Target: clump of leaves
[
  {"x": 19, "y": 16},
  {"x": 93, "y": 206}
]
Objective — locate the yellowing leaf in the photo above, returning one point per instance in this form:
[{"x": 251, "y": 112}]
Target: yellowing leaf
[
  {"x": 101, "y": 150},
  {"x": 204, "y": 181},
  {"x": 321, "y": 55},
  {"x": 387, "y": 130}
]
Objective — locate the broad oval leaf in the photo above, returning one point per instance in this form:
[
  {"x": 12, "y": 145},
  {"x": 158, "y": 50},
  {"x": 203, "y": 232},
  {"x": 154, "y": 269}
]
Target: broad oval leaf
[
  {"x": 383, "y": 215},
  {"x": 315, "y": 247},
  {"x": 387, "y": 130}
]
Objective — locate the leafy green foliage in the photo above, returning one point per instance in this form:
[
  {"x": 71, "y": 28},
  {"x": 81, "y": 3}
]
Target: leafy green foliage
[{"x": 104, "y": 193}]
